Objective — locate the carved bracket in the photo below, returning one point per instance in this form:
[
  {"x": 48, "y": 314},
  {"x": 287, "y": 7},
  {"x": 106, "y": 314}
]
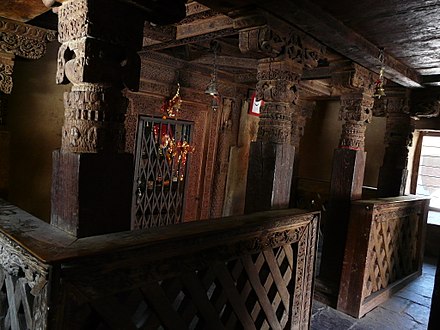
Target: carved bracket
[
  {"x": 270, "y": 43},
  {"x": 349, "y": 76},
  {"x": 24, "y": 40},
  {"x": 356, "y": 110},
  {"x": 396, "y": 101}
]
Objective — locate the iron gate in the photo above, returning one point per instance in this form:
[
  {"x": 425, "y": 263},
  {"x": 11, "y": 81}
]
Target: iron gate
[{"x": 162, "y": 151}]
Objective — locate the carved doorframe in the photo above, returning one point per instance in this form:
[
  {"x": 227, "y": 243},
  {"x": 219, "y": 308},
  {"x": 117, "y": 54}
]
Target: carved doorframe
[{"x": 204, "y": 137}]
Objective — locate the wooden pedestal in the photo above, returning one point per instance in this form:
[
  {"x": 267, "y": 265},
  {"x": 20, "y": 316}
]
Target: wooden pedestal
[{"x": 91, "y": 193}]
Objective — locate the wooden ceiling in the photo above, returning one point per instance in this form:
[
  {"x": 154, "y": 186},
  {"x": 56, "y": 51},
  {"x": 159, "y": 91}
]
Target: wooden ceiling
[{"x": 407, "y": 30}]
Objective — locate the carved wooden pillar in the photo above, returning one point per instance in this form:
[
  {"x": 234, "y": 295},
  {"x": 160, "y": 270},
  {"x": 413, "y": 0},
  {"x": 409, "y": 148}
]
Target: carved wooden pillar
[
  {"x": 6, "y": 67},
  {"x": 222, "y": 159},
  {"x": 17, "y": 39},
  {"x": 399, "y": 127},
  {"x": 92, "y": 176},
  {"x": 348, "y": 162},
  {"x": 272, "y": 155}
]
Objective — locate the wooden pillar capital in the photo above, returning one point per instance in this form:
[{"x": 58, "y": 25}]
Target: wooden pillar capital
[
  {"x": 98, "y": 56},
  {"x": 92, "y": 176}
]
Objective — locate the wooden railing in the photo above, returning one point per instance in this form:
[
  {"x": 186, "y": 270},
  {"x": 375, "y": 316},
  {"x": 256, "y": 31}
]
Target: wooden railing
[
  {"x": 384, "y": 251},
  {"x": 249, "y": 272}
]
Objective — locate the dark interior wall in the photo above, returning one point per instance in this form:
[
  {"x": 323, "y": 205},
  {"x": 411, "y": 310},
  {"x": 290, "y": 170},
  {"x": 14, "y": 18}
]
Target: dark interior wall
[
  {"x": 321, "y": 137},
  {"x": 35, "y": 117},
  {"x": 375, "y": 148}
]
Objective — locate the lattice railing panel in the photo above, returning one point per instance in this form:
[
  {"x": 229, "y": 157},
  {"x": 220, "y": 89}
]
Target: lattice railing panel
[
  {"x": 393, "y": 252},
  {"x": 23, "y": 289},
  {"x": 252, "y": 292}
]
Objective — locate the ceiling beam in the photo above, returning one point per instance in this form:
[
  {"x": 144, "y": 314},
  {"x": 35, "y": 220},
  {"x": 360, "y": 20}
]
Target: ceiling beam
[
  {"x": 229, "y": 61},
  {"x": 334, "y": 34}
]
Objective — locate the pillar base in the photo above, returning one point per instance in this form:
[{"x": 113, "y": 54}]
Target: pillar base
[
  {"x": 269, "y": 176},
  {"x": 91, "y": 193}
]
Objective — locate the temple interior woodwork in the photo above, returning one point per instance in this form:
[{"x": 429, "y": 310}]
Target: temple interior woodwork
[{"x": 211, "y": 164}]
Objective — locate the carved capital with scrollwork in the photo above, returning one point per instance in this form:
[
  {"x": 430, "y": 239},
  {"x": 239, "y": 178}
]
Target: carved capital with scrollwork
[
  {"x": 356, "y": 111},
  {"x": 277, "y": 86},
  {"x": 98, "y": 56},
  {"x": 348, "y": 76}
]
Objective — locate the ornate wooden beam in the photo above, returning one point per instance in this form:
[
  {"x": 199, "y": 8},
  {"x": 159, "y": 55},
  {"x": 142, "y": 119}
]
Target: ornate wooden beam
[{"x": 313, "y": 20}]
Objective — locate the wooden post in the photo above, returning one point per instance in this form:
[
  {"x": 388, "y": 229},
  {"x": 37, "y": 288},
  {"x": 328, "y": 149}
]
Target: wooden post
[
  {"x": 272, "y": 156},
  {"x": 348, "y": 164},
  {"x": 398, "y": 136},
  {"x": 92, "y": 176}
]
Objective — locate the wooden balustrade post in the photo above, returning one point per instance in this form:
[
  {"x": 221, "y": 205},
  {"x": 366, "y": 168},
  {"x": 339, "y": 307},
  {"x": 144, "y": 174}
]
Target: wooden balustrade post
[
  {"x": 348, "y": 163},
  {"x": 92, "y": 176},
  {"x": 399, "y": 127},
  {"x": 271, "y": 157}
]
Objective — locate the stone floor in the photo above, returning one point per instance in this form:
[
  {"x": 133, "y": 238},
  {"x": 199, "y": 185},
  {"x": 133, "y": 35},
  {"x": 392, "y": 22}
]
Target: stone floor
[{"x": 408, "y": 309}]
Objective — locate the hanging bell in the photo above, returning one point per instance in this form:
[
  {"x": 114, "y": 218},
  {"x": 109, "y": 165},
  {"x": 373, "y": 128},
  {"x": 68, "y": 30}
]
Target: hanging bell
[
  {"x": 379, "y": 91},
  {"x": 211, "y": 89}
]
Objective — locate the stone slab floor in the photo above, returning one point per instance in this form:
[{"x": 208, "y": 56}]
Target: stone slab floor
[{"x": 408, "y": 309}]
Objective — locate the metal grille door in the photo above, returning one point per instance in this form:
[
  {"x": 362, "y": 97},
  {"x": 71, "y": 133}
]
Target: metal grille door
[{"x": 160, "y": 172}]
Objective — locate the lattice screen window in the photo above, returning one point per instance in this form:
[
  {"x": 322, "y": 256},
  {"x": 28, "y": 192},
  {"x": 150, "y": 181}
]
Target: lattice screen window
[
  {"x": 428, "y": 180},
  {"x": 160, "y": 172}
]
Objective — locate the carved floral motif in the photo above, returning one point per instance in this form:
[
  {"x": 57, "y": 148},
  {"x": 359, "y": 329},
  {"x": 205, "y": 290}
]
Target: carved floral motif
[
  {"x": 15, "y": 261},
  {"x": 24, "y": 40},
  {"x": 6, "y": 78}
]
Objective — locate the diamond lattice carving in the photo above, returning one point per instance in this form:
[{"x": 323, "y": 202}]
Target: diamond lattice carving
[
  {"x": 159, "y": 174},
  {"x": 252, "y": 292},
  {"x": 393, "y": 252}
]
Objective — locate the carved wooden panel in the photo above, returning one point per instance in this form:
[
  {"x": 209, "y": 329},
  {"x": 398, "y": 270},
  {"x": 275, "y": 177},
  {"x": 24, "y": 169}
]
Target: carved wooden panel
[
  {"x": 393, "y": 253},
  {"x": 23, "y": 287},
  {"x": 384, "y": 251}
]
